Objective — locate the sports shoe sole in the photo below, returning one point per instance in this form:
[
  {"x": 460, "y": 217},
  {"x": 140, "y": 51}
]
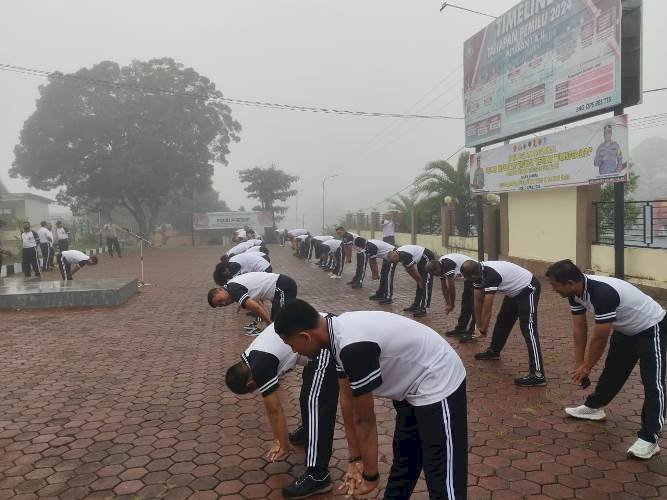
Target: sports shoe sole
[
  {"x": 645, "y": 457},
  {"x": 326, "y": 489},
  {"x": 585, "y": 417}
]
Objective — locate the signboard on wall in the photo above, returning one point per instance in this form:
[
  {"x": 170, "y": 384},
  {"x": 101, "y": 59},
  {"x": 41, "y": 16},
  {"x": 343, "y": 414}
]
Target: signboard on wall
[
  {"x": 230, "y": 220},
  {"x": 595, "y": 153},
  {"x": 541, "y": 63}
]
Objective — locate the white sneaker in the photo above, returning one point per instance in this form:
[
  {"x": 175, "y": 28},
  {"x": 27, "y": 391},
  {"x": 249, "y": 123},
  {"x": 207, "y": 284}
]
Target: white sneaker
[
  {"x": 335, "y": 277},
  {"x": 643, "y": 449},
  {"x": 586, "y": 413}
]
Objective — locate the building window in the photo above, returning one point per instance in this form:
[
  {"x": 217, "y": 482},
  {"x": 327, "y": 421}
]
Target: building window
[{"x": 6, "y": 211}]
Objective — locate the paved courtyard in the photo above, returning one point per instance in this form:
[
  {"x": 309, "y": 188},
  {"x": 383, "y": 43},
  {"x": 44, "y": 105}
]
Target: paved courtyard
[{"x": 130, "y": 402}]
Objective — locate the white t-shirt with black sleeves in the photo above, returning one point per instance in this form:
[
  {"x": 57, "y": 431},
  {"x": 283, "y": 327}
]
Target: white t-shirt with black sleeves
[
  {"x": 387, "y": 228},
  {"x": 301, "y": 237},
  {"x": 256, "y": 286},
  {"x": 394, "y": 357},
  {"x": 503, "y": 277},
  {"x": 409, "y": 255},
  {"x": 239, "y": 248},
  {"x": 248, "y": 263},
  {"x": 378, "y": 249},
  {"x": 45, "y": 235},
  {"x": 75, "y": 257},
  {"x": 451, "y": 264},
  {"x": 615, "y": 301},
  {"x": 297, "y": 232},
  {"x": 61, "y": 233},
  {"x": 29, "y": 239},
  {"x": 269, "y": 358},
  {"x": 333, "y": 245},
  {"x": 323, "y": 238}
]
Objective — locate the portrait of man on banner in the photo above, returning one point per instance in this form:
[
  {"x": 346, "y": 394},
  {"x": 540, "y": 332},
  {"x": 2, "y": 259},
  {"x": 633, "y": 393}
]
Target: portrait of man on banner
[
  {"x": 478, "y": 174},
  {"x": 609, "y": 155}
]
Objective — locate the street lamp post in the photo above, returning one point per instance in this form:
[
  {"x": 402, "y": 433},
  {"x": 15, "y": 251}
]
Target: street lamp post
[{"x": 323, "y": 184}]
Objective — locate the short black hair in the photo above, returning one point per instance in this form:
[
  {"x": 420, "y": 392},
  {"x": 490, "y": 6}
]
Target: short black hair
[
  {"x": 360, "y": 242},
  {"x": 93, "y": 260},
  {"x": 219, "y": 276},
  {"x": 341, "y": 227},
  {"x": 211, "y": 294},
  {"x": 237, "y": 378},
  {"x": 470, "y": 267},
  {"x": 263, "y": 249},
  {"x": 296, "y": 316},
  {"x": 564, "y": 271},
  {"x": 43, "y": 223}
]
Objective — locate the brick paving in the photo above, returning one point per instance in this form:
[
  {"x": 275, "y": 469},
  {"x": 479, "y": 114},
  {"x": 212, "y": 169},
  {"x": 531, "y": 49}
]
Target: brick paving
[{"x": 130, "y": 402}]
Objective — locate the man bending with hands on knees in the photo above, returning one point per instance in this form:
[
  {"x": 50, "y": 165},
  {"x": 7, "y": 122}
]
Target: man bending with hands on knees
[
  {"x": 262, "y": 364},
  {"x": 387, "y": 355},
  {"x": 638, "y": 330}
]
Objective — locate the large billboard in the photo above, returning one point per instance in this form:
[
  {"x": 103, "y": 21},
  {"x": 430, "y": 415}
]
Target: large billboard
[
  {"x": 542, "y": 62},
  {"x": 595, "y": 153},
  {"x": 230, "y": 220}
]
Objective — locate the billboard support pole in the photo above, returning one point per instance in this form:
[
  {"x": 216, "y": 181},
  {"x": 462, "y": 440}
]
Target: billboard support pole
[
  {"x": 480, "y": 220},
  {"x": 619, "y": 221}
]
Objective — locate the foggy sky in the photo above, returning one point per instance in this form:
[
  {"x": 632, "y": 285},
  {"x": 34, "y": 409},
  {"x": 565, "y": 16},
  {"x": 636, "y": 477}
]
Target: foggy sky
[{"x": 375, "y": 55}]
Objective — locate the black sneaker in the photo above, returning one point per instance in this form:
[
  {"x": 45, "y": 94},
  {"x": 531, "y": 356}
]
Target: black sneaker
[
  {"x": 488, "y": 354},
  {"x": 455, "y": 332},
  {"x": 356, "y": 286},
  {"x": 351, "y": 282},
  {"x": 419, "y": 313},
  {"x": 298, "y": 437},
  {"x": 376, "y": 296},
  {"x": 308, "y": 485},
  {"x": 412, "y": 307},
  {"x": 386, "y": 301},
  {"x": 531, "y": 380}
]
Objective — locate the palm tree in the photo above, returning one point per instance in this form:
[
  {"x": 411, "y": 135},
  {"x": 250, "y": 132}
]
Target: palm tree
[
  {"x": 405, "y": 205},
  {"x": 441, "y": 179}
]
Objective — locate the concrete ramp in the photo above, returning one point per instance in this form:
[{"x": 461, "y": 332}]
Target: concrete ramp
[{"x": 32, "y": 293}]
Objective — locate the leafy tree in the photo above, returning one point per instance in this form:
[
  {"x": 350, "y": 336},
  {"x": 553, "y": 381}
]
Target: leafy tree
[
  {"x": 269, "y": 185},
  {"x": 632, "y": 212},
  {"x": 178, "y": 212},
  {"x": 405, "y": 205},
  {"x": 106, "y": 140},
  {"x": 441, "y": 179}
]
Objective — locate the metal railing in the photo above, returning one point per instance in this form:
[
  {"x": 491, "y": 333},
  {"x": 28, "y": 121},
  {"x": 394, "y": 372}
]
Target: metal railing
[
  {"x": 462, "y": 223},
  {"x": 645, "y": 223}
]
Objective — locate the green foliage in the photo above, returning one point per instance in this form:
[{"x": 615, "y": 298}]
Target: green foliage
[
  {"x": 268, "y": 185},
  {"x": 441, "y": 179},
  {"x": 117, "y": 146},
  {"x": 632, "y": 211},
  {"x": 404, "y": 205}
]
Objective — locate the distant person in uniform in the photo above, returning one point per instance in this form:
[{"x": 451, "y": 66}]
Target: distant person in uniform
[
  {"x": 63, "y": 237},
  {"x": 109, "y": 232},
  {"x": 45, "y": 245},
  {"x": 29, "y": 240},
  {"x": 70, "y": 261},
  {"x": 608, "y": 156},
  {"x": 163, "y": 235},
  {"x": 478, "y": 176}
]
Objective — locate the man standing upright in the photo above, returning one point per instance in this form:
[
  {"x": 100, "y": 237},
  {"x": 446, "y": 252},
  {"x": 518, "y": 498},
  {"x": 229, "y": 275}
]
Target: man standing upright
[
  {"x": 29, "y": 239},
  {"x": 109, "y": 232},
  {"x": 63, "y": 237},
  {"x": 639, "y": 334},
  {"x": 522, "y": 294},
  {"x": 389, "y": 228},
  {"x": 45, "y": 245}
]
